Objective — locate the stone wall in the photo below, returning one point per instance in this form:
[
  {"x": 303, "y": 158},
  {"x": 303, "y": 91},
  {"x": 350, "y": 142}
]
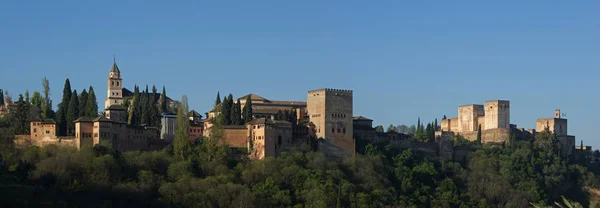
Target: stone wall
[
  {"x": 489, "y": 136},
  {"x": 235, "y": 137}
]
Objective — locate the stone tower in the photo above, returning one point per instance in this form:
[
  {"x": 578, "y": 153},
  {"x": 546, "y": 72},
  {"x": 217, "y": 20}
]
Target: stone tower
[
  {"x": 330, "y": 110},
  {"x": 497, "y": 114},
  {"x": 115, "y": 85}
]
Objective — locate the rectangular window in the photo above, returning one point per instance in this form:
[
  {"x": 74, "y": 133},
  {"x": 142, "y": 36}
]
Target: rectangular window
[
  {"x": 344, "y": 130},
  {"x": 332, "y": 130},
  {"x": 339, "y": 130}
]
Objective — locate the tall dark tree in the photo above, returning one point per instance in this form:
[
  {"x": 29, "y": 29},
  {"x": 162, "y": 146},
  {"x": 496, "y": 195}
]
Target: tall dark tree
[
  {"x": 435, "y": 125},
  {"x": 236, "y": 113},
  {"x": 479, "y": 134},
  {"x": 419, "y": 129},
  {"x": 379, "y": 128},
  {"x": 444, "y": 118},
  {"x": 73, "y": 113},
  {"x": 218, "y": 101},
  {"x": 135, "y": 109},
  {"x": 164, "y": 107},
  {"x": 27, "y": 96},
  {"x": 21, "y": 123},
  {"x": 279, "y": 115},
  {"x": 247, "y": 111},
  {"x": 91, "y": 108},
  {"x": 226, "y": 111},
  {"x": 83, "y": 97},
  {"x": 1, "y": 97},
  {"x": 154, "y": 112},
  {"x": 144, "y": 107},
  {"x": 47, "y": 112},
  {"x": 63, "y": 109}
]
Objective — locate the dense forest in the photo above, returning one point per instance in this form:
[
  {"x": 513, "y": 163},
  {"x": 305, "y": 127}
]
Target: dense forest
[{"x": 203, "y": 174}]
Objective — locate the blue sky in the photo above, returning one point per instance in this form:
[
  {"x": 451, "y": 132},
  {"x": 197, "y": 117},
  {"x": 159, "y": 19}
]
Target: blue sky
[{"x": 403, "y": 60}]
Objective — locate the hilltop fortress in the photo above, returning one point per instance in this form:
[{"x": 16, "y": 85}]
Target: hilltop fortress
[{"x": 324, "y": 122}]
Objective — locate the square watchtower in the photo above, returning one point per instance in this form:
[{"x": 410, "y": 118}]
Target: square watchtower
[
  {"x": 330, "y": 110},
  {"x": 497, "y": 114}
]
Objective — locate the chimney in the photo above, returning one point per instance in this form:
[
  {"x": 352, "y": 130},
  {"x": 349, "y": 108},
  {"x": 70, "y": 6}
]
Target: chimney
[{"x": 557, "y": 113}]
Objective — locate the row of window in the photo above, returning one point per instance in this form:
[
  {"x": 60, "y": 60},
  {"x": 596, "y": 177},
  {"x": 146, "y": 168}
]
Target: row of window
[
  {"x": 84, "y": 135},
  {"x": 257, "y": 137},
  {"x": 337, "y": 115},
  {"x": 35, "y": 131},
  {"x": 316, "y": 115},
  {"x": 113, "y": 83},
  {"x": 338, "y": 130},
  {"x": 115, "y": 93},
  {"x": 195, "y": 130}
]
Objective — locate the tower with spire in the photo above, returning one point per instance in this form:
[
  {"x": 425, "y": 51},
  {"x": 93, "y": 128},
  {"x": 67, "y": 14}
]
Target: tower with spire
[{"x": 115, "y": 87}]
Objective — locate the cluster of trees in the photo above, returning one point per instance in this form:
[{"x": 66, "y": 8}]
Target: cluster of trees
[
  {"x": 419, "y": 131},
  {"x": 72, "y": 107},
  {"x": 146, "y": 107},
  {"x": 39, "y": 106},
  {"x": 232, "y": 113},
  {"x": 287, "y": 115},
  {"x": 203, "y": 174}
]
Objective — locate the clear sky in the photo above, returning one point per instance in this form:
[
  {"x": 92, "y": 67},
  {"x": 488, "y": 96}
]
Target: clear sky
[{"x": 403, "y": 60}]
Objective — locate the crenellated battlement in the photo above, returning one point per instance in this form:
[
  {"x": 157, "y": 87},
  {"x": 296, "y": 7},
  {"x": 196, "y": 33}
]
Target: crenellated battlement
[{"x": 331, "y": 90}]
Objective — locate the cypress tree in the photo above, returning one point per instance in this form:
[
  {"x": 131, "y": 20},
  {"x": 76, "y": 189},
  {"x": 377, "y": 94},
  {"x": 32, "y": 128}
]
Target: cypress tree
[
  {"x": 248, "y": 110},
  {"x": 419, "y": 129},
  {"x": 73, "y": 113},
  {"x": 133, "y": 114},
  {"x": 63, "y": 109},
  {"x": 154, "y": 112},
  {"x": 218, "y": 101},
  {"x": 27, "y": 96},
  {"x": 163, "y": 101},
  {"x": 279, "y": 115},
  {"x": 21, "y": 124},
  {"x": 286, "y": 115},
  {"x": 479, "y": 134},
  {"x": 435, "y": 125},
  {"x": 91, "y": 108},
  {"x": 1, "y": 97},
  {"x": 83, "y": 97},
  {"x": 236, "y": 114},
  {"x": 226, "y": 111},
  {"x": 181, "y": 145},
  {"x": 144, "y": 107}
]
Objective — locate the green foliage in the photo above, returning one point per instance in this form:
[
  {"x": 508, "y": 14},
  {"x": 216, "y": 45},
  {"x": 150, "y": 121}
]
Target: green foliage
[
  {"x": 181, "y": 144},
  {"x": 247, "y": 111},
  {"x": 163, "y": 102},
  {"x": 36, "y": 99},
  {"x": 21, "y": 117},
  {"x": 27, "y": 97},
  {"x": 73, "y": 113},
  {"x": 2, "y": 97},
  {"x": 479, "y": 135},
  {"x": 83, "y": 98},
  {"x": 236, "y": 113},
  {"x": 218, "y": 100},
  {"x": 63, "y": 109},
  {"x": 91, "y": 108},
  {"x": 46, "y": 106},
  {"x": 205, "y": 174},
  {"x": 379, "y": 128}
]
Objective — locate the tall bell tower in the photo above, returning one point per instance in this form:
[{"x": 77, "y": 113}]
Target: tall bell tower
[{"x": 115, "y": 87}]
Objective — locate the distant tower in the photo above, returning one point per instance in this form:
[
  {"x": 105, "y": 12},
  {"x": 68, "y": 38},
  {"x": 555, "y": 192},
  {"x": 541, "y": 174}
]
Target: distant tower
[
  {"x": 557, "y": 113},
  {"x": 497, "y": 114},
  {"x": 115, "y": 85},
  {"x": 330, "y": 110}
]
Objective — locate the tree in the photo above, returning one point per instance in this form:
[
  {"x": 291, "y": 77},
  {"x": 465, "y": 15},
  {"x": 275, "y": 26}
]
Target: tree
[
  {"x": 91, "y": 104},
  {"x": 7, "y": 98},
  {"x": 236, "y": 114},
  {"x": 379, "y": 128},
  {"x": 391, "y": 128},
  {"x": 419, "y": 129},
  {"x": 154, "y": 111},
  {"x": 226, "y": 110},
  {"x": 1, "y": 97},
  {"x": 21, "y": 124},
  {"x": 37, "y": 100},
  {"x": 63, "y": 109},
  {"x": 163, "y": 101},
  {"x": 181, "y": 145},
  {"x": 479, "y": 134},
  {"x": 27, "y": 96},
  {"x": 218, "y": 100},
  {"x": 73, "y": 113},
  {"x": 83, "y": 97},
  {"x": 435, "y": 125},
  {"x": 47, "y": 102},
  {"x": 247, "y": 110},
  {"x": 279, "y": 115}
]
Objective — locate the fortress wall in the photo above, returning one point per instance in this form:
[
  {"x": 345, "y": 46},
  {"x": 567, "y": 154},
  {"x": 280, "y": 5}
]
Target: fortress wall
[{"x": 490, "y": 135}]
